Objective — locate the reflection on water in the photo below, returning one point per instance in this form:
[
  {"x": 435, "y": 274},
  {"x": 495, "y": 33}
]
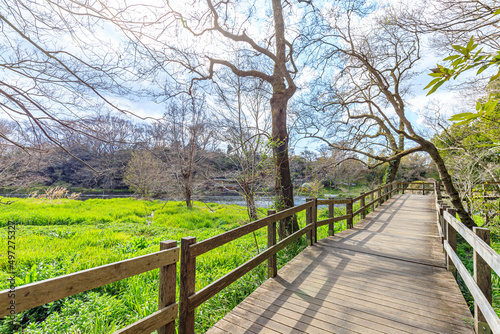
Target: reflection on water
[{"x": 260, "y": 201}]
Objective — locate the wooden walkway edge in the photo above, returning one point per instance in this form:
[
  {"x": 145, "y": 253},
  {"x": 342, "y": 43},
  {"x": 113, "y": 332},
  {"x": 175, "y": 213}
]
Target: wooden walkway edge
[{"x": 387, "y": 275}]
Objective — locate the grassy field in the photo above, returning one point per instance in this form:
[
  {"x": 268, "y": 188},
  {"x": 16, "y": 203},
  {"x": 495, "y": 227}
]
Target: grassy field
[{"x": 57, "y": 237}]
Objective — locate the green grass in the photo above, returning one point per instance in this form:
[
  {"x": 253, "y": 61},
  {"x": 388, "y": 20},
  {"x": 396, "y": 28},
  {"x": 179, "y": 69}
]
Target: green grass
[{"x": 58, "y": 237}]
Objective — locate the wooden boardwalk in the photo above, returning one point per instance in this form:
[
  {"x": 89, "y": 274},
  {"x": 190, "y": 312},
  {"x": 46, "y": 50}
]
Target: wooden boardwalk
[{"x": 386, "y": 275}]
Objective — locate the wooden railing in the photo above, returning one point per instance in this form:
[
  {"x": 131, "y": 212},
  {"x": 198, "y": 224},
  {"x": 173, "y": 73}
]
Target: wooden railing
[
  {"x": 39, "y": 293},
  {"x": 418, "y": 187},
  {"x": 484, "y": 257},
  {"x": 35, "y": 294},
  {"x": 190, "y": 299}
]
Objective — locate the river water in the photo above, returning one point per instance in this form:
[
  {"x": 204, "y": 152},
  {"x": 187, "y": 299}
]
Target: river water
[{"x": 260, "y": 202}]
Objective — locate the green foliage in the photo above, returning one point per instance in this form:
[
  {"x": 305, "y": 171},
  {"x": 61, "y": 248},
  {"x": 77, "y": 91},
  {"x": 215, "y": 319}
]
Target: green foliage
[
  {"x": 59, "y": 237},
  {"x": 466, "y": 58}
]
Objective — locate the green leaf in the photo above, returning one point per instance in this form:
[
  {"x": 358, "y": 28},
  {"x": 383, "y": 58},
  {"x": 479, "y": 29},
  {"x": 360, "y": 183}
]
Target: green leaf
[
  {"x": 436, "y": 75},
  {"x": 470, "y": 45},
  {"x": 433, "y": 82},
  {"x": 436, "y": 86},
  {"x": 478, "y": 106},
  {"x": 481, "y": 69},
  {"x": 466, "y": 116},
  {"x": 497, "y": 12},
  {"x": 460, "y": 49},
  {"x": 453, "y": 57}
]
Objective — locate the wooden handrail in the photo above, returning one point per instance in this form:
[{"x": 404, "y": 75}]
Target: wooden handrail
[
  {"x": 479, "y": 298},
  {"x": 190, "y": 299},
  {"x": 213, "y": 288},
  {"x": 221, "y": 239},
  {"x": 481, "y": 247},
  {"x": 39, "y": 293},
  {"x": 485, "y": 259}
]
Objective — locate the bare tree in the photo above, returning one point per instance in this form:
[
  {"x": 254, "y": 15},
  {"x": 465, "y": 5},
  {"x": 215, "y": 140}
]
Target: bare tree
[
  {"x": 183, "y": 137},
  {"x": 58, "y": 69},
  {"x": 370, "y": 102},
  {"x": 145, "y": 174},
  {"x": 244, "y": 125}
]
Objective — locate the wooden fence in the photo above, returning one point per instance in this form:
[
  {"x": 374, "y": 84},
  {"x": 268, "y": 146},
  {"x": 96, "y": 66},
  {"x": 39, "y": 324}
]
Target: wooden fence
[
  {"x": 190, "y": 299},
  {"x": 484, "y": 257},
  {"x": 39, "y": 293}
]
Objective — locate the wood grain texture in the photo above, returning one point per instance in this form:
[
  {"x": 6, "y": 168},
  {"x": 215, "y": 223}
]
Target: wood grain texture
[
  {"x": 167, "y": 283},
  {"x": 210, "y": 290},
  {"x": 386, "y": 275},
  {"x": 482, "y": 248},
  {"x": 40, "y": 293}
]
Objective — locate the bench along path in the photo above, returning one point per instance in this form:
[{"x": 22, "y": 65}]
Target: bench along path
[{"x": 387, "y": 275}]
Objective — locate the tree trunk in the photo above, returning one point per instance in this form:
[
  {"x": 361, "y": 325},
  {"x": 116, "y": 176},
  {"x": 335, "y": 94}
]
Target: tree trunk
[
  {"x": 448, "y": 185},
  {"x": 394, "y": 166},
  {"x": 187, "y": 191},
  {"x": 250, "y": 201},
  {"x": 283, "y": 186}
]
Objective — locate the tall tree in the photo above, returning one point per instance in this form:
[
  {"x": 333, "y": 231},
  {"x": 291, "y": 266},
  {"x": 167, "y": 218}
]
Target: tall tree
[
  {"x": 244, "y": 124},
  {"x": 380, "y": 60}
]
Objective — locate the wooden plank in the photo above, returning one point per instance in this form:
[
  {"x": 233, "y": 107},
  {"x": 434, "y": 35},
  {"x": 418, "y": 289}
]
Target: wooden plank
[
  {"x": 332, "y": 305},
  {"x": 210, "y": 290},
  {"x": 221, "y": 239},
  {"x": 187, "y": 286},
  {"x": 272, "y": 268},
  {"x": 167, "y": 283},
  {"x": 482, "y": 276},
  {"x": 151, "y": 322},
  {"x": 366, "y": 279},
  {"x": 333, "y": 201},
  {"x": 331, "y": 314},
  {"x": 332, "y": 220},
  {"x": 479, "y": 298},
  {"x": 40, "y": 293}
]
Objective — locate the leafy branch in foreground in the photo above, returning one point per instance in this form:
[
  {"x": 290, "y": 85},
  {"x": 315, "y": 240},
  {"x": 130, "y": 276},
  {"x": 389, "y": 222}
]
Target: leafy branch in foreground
[{"x": 465, "y": 59}]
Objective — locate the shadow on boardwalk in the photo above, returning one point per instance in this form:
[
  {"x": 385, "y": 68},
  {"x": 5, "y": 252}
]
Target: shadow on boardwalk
[{"x": 386, "y": 275}]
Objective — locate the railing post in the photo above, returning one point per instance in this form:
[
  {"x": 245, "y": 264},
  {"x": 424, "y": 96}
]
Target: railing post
[
  {"x": 309, "y": 215},
  {"x": 348, "y": 211},
  {"x": 423, "y": 188},
  {"x": 402, "y": 188},
  {"x": 331, "y": 214},
  {"x": 362, "y": 205},
  {"x": 451, "y": 237},
  {"x": 272, "y": 268},
  {"x": 379, "y": 197},
  {"x": 167, "y": 285},
  {"x": 441, "y": 219},
  {"x": 187, "y": 286},
  {"x": 371, "y": 200},
  {"x": 482, "y": 276},
  {"x": 314, "y": 218}
]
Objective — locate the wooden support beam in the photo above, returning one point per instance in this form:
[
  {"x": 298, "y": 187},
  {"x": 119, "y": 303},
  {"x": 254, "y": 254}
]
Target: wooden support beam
[
  {"x": 331, "y": 214},
  {"x": 362, "y": 205},
  {"x": 167, "y": 287},
  {"x": 187, "y": 286},
  {"x": 272, "y": 268},
  {"x": 348, "y": 208},
  {"x": 451, "y": 237},
  {"x": 309, "y": 219},
  {"x": 482, "y": 276}
]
